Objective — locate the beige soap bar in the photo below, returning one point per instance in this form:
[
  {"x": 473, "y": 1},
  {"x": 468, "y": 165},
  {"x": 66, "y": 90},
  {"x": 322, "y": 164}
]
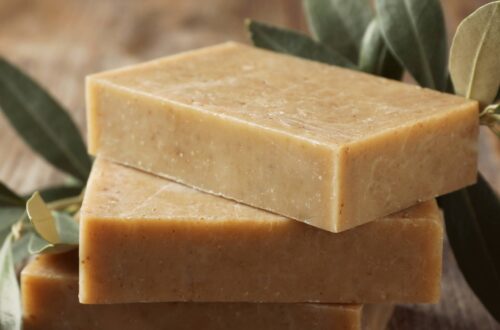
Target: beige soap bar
[
  {"x": 146, "y": 239},
  {"x": 50, "y": 301},
  {"x": 324, "y": 145}
]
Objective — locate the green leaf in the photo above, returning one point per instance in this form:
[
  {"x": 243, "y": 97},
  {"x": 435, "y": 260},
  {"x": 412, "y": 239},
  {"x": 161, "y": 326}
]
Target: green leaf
[
  {"x": 67, "y": 228},
  {"x": 4, "y": 234},
  {"x": 473, "y": 227},
  {"x": 490, "y": 117},
  {"x": 42, "y": 219},
  {"x": 59, "y": 192},
  {"x": 68, "y": 236},
  {"x": 475, "y": 55},
  {"x": 9, "y": 216},
  {"x": 294, "y": 43},
  {"x": 20, "y": 248},
  {"x": 56, "y": 232},
  {"x": 10, "y": 303},
  {"x": 38, "y": 245},
  {"x": 375, "y": 57},
  {"x": 415, "y": 32},
  {"x": 42, "y": 122},
  {"x": 10, "y": 198},
  {"x": 339, "y": 24}
]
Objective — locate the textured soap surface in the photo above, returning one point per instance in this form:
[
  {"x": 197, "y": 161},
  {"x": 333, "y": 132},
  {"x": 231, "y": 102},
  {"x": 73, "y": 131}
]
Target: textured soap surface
[
  {"x": 50, "y": 301},
  {"x": 147, "y": 239},
  {"x": 328, "y": 146}
]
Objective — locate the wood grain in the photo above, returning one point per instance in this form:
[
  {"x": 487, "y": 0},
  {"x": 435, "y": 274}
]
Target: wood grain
[{"x": 60, "y": 41}]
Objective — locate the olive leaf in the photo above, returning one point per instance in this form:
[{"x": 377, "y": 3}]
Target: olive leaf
[
  {"x": 9, "y": 198},
  {"x": 59, "y": 192},
  {"x": 41, "y": 218},
  {"x": 42, "y": 122},
  {"x": 20, "y": 248},
  {"x": 474, "y": 55},
  {"x": 339, "y": 24},
  {"x": 9, "y": 216},
  {"x": 38, "y": 245},
  {"x": 294, "y": 43},
  {"x": 67, "y": 228},
  {"x": 56, "y": 232},
  {"x": 415, "y": 32},
  {"x": 473, "y": 227},
  {"x": 10, "y": 302},
  {"x": 375, "y": 57},
  {"x": 490, "y": 117}
]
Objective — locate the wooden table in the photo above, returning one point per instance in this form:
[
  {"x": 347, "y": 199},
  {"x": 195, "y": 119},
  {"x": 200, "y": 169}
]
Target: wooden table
[{"x": 60, "y": 41}]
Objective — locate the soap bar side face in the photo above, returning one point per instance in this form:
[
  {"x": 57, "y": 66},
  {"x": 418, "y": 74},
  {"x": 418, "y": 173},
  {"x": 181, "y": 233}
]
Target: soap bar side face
[
  {"x": 150, "y": 261},
  {"x": 435, "y": 157},
  {"x": 50, "y": 299},
  {"x": 144, "y": 238},
  {"x": 291, "y": 176},
  {"x": 302, "y": 139}
]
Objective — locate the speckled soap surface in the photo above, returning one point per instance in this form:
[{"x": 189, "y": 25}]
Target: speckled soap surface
[
  {"x": 50, "y": 299},
  {"x": 144, "y": 238},
  {"x": 324, "y": 145}
]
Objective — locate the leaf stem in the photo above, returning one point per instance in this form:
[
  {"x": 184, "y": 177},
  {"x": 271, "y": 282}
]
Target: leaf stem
[
  {"x": 66, "y": 202},
  {"x": 490, "y": 117},
  {"x": 17, "y": 228}
]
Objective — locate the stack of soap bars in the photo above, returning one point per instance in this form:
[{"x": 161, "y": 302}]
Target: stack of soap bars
[{"x": 236, "y": 188}]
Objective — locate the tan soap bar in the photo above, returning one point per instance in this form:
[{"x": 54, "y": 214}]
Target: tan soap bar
[
  {"x": 50, "y": 299},
  {"x": 146, "y": 239},
  {"x": 324, "y": 145}
]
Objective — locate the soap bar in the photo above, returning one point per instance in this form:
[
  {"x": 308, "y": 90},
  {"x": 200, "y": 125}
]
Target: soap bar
[
  {"x": 147, "y": 239},
  {"x": 324, "y": 145},
  {"x": 50, "y": 299}
]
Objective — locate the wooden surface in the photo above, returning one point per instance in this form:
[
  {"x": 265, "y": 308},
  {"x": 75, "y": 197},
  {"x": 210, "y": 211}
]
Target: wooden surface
[{"x": 60, "y": 41}]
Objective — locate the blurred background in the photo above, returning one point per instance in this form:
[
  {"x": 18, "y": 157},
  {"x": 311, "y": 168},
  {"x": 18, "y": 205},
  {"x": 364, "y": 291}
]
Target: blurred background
[{"x": 59, "y": 42}]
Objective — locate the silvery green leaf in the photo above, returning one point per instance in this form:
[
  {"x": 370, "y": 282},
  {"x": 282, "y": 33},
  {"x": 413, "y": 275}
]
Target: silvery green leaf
[
  {"x": 67, "y": 228},
  {"x": 490, "y": 117},
  {"x": 475, "y": 55},
  {"x": 9, "y": 216},
  {"x": 339, "y": 24},
  {"x": 4, "y": 233},
  {"x": 10, "y": 198},
  {"x": 20, "y": 248},
  {"x": 415, "y": 32},
  {"x": 67, "y": 236},
  {"x": 56, "y": 231},
  {"x": 10, "y": 302},
  {"x": 375, "y": 56},
  {"x": 294, "y": 43},
  {"x": 38, "y": 245},
  {"x": 42, "y": 219},
  {"x": 54, "y": 193},
  {"x": 42, "y": 122}
]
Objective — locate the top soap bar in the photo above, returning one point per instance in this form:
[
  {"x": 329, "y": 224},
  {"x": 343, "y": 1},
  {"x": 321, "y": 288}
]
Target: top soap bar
[{"x": 324, "y": 145}]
